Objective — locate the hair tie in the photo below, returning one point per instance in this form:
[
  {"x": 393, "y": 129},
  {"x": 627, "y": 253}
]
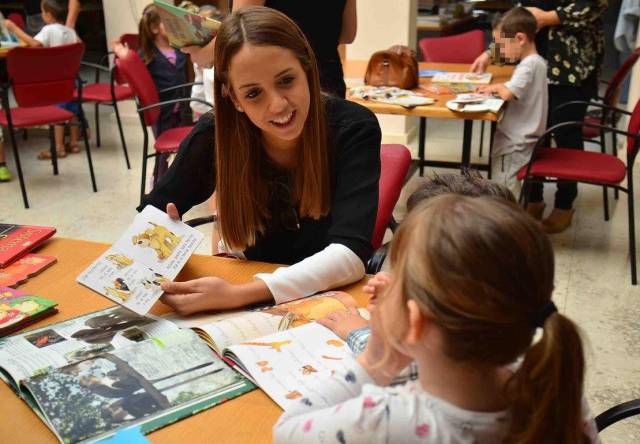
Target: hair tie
[{"x": 541, "y": 316}]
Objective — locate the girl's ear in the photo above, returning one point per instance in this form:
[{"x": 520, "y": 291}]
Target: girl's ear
[{"x": 417, "y": 322}]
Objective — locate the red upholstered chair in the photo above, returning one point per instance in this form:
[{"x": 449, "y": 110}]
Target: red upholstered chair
[
  {"x": 17, "y": 19},
  {"x": 553, "y": 164},
  {"x": 148, "y": 100},
  {"x": 130, "y": 40},
  {"x": 37, "y": 91},
  {"x": 460, "y": 48}
]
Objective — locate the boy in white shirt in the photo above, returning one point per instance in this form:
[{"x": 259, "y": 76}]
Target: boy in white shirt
[
  {"x": 54, "y": 33},
  {"x": 525, "y": 117}
]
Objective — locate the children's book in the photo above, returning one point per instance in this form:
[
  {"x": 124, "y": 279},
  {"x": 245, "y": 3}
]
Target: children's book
[
  {"x": 90, "y": 376},
  {"x": 19, "y": 309},
  {"x": 280, "y": 348},
  {"x": 185, "y": 28},
  {"x": 7, "y": 38},
  {"x": 152, "y": 250},
  {"x": 463, "y": 77},
  {"x": 18, "y": 240},
  {"x": 24, "y": 268}
]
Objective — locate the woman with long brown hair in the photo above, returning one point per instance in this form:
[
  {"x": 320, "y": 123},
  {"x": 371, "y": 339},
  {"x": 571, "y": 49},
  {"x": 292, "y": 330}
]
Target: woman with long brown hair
[
  {"x": 295, "y": 172},
  {"x": 472, "y": 285}
]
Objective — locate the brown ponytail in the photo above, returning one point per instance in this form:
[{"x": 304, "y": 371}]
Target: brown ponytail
[
  {"x": 149, "y": 21},
  {"x": 546, "y": 391}
]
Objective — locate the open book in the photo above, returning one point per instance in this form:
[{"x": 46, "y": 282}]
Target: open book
[
  {"x": 463, "y": 77},
  {"x": 280, "y": 348},
  {"x": 152, "y": 250},
  {"x": 185, "y": 28},
  {"x": 89, "y": 376}
]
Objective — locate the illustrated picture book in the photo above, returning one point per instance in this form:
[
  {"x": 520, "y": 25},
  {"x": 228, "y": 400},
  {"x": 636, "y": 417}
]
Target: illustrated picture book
[
  {"x": 92, "y": 375},
  {"x": 463, "y": 77},
  {"x": 19, "y": 309},
  {"x": 24, "y": 268},
  {"x": 280, "y": 348},
  {"x": 18, "y": 240},
  {"x": 7, "y": 38},
  {"x": 152, "y": 250},
  {"x": 185, "y": 28}
]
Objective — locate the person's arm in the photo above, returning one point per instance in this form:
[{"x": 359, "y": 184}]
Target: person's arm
[
  {"x": 72, "y": 14},
  {"x": 349, "y": 23},
  {"x": 499, "y": 88},
  {"x": 23, "y": 36},
  {"x": 576, "y": 14}
]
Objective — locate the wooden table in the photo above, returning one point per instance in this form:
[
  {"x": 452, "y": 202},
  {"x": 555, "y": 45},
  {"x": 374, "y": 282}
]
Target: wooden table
[
  {"x": 246, "y": 419},
  {"x": 439, "y": 110}
]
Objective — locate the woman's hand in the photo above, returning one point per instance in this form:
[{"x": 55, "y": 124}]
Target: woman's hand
[
  {"x": 201, "y": 55},
  {"x": 343, "y": 322},
  {"x": 203, "y": 294},
  {"x": 172, "y": 211},
  {"x": 481, "y": 63},
  {"x": 544, "y": 18}
]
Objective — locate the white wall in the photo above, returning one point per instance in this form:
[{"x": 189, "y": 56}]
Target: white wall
[
  {"x": 381, "y": 24},
  {"x": 122, "y": 16}
]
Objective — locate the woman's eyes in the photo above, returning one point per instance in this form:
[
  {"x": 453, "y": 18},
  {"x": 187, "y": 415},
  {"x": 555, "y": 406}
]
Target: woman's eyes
[
  {"x": 252, "y": 94},
  {"x": 285, "y": 82}
]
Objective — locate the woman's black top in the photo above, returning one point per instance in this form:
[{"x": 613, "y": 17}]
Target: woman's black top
[
  {"x": 321, "y": 23},
  {"x": 354, "y": 147}
]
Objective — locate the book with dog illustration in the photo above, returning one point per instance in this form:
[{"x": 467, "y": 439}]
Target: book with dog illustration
[
  {"x": 89, "y": 376},
  {"x": 152, "y": 250},
  {"x": 185, "y": 28}
]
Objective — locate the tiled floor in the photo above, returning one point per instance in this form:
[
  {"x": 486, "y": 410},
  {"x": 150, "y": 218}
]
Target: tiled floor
[{"x": 592, "y": 286}]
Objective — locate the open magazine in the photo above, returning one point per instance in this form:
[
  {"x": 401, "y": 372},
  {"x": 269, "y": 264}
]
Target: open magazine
[
  {"x": 185, "y": 28},
  {"x": 152, "y": 250},
  {"x": 279, "y": 347},
  {"x": 89, "y": 376},
  {"x": 463, "y": 77}
]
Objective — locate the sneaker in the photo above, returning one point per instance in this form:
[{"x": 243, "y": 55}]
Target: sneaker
[
  {"x": 558, "y": 221},
  {"x": 5, "y": 174}
]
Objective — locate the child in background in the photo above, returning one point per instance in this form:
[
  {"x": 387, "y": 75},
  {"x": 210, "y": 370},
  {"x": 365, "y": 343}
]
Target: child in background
[
  {"x": 203, "y": 75},
  {"x": 525, "y": 116},
  {"x": 473, "y": 283},
  {"x": 54, "y": 33}
]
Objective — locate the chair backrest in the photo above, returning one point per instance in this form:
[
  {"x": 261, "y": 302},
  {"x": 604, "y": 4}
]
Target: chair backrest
[
  {"x": 17, "y": 19},
  {"x": 34, "y": 86},
  {"x": 394, "y": 164},
  {"x": 131, "y": 40},
  {"x": 633, "y": 143},
  {"x": 612, "y": 93},
  {"x": 460, "y": 48},
  {"x": 137, "y": 75}
]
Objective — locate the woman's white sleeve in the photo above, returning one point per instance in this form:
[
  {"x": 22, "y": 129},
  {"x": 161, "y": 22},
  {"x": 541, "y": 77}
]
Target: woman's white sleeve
[{"x": 332, "y": 267}]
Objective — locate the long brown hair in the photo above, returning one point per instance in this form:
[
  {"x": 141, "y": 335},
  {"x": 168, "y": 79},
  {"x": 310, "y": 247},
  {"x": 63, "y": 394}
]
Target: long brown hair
[
  {"x": 242, "y": 191},
  {"x": 148, "y": 22},
  {"x": 483, "y": 270}
]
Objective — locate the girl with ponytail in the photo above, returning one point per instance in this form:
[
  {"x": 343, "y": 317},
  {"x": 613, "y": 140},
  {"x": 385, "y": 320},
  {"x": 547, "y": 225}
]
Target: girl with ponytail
[{"x": 473, "y": 279}]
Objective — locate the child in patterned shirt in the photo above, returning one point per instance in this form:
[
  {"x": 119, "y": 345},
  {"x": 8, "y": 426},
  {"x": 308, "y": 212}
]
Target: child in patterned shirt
[{"x": 473, "y": 279}]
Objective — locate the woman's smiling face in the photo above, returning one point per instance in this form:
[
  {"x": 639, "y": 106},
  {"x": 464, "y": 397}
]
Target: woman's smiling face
[{"x": 270, "y": 86}]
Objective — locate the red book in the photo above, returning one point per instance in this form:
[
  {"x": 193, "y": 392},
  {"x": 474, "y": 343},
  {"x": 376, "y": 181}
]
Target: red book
[{"x": 18, "y": 240}]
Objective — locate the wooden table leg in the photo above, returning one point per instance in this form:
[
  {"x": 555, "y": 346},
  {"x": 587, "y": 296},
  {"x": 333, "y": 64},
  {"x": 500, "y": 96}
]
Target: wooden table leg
[{"x": 466, "y": 143}]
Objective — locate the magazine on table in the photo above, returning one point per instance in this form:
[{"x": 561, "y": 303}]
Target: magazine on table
[
  {"x": 280, "y": 348},
  {"x": 152, "y": 250},
  {"x": 185, "y": 28},
  {"x": 89, "y": 376},
  {"x": 463, "y": 77}
]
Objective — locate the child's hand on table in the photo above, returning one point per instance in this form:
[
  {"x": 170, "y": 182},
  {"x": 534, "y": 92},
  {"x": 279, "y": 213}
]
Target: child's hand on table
[
  {"x": 488, "y": 90},
  {"x": 343, "y": 322},
  {"x": 10, "y": 25},
  {"x": 377, "y": 285}
]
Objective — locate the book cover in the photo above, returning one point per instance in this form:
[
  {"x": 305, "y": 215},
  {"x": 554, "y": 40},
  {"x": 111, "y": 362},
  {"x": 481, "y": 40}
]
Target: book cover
[
  {"x": 463, "y": 77},
  {"x": 24, "y": 268},
  {"x": 19, "y": 309},
  {"x": 153, "y": 249},
  {"x": 18, "y": 240},
  {"x": 185, "y": 28}
]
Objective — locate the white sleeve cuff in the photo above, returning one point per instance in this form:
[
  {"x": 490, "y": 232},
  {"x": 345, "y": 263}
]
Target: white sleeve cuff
[{"x": 332, "y": 267}]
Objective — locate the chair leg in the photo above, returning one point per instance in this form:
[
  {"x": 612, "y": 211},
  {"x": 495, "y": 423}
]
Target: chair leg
[
  {"x": 605, "y": 202},
  {"x": 632, "y": 228},
  {"x": 481, "y": 136},
  {"x": 53, "y": 150},
  {"x": 24, "y": 134},
  {"x": 16, "y": 156},
  {"x": 83, "y": 128},
  {"x": 144, "y": 170},
  {"x": 614, "y": 150},
  {"x": 124, "y": 144},
  {"x": 421, "y": 142},
  {"x": 97, "y": 116}
]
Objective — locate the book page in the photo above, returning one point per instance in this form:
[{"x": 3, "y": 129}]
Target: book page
[
  {"x": 286, "y": 364},
  {"x": 137, "y": 384},
  {"x": 463, "y": 77},
  {"x": 41, "y": 350},
  {"x": 153, "y": 249},
  {"x": 184, "y": 28}
]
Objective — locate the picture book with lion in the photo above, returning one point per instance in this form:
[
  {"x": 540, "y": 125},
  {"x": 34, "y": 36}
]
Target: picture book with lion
[{"x": 152, "y": 250}]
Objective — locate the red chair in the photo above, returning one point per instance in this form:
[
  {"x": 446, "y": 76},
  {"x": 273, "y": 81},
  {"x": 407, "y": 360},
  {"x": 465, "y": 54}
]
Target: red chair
[
  {"x": 147, "y": 98},
  {"x": 460, "y": 48},
  {"x": 130, "y": 40},
  {"x": 17, "y": 19},
  {"x": 37, "y": 91},
  {"x": 553, "y": 164}
]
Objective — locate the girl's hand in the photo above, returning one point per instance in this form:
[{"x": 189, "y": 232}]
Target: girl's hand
[
  {"x": 481, "y": 63},
  {"x": 120, "y": 49},
  {"x": 203, "y": 294},
  {"x": 172, "y": 211},
  {"x": 343, "y": 322},
  {"x": 377, "y": 285}
]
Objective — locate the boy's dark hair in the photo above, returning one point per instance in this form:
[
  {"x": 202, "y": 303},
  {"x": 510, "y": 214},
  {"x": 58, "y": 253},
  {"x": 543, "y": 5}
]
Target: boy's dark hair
[
  {"x": 57, "y": 8},
  {"x": 469, "y": 183},
  {"x": 516, "y": 20}
]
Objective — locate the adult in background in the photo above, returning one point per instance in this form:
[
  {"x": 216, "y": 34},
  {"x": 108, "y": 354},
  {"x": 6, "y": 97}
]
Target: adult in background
[{"x": 571, "y": 38}]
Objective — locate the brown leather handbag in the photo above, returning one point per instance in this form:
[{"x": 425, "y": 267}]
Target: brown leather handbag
[{"x": 397, "y": 66}]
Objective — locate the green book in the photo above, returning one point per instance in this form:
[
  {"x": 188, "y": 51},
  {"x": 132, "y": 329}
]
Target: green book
[{"x": 185, "y": 28}]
